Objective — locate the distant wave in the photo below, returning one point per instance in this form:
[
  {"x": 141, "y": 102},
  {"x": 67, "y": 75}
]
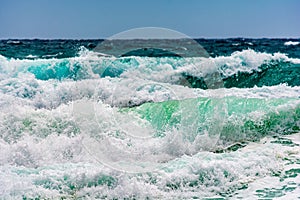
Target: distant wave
[{"x": 291, "y": 43}]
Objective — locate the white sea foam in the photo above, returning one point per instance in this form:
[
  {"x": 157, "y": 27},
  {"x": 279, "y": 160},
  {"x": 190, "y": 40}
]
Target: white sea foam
[
  {"x": 13, "y": 42},
  {"x": 31, "y": 56},
  {"x": 291, "y": 43},
  {"x": 25, "y": 89},
  {"x": 45, "y": 135},
  {"x": 91, "y": 65},
  {"x": 184, "y": 177},
  {"x": 248, "y": 61}
]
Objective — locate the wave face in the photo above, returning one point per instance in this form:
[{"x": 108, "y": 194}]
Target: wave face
[
  {"x": 75, "y": 123},
  {"x": 241, "y": 69}
]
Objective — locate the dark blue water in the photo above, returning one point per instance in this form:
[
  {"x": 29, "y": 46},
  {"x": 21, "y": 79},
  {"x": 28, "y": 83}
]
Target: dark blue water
[{"x": 69, "y": 48}]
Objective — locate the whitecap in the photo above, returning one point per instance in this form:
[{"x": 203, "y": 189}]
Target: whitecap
[{"x": 291, "y": 43}]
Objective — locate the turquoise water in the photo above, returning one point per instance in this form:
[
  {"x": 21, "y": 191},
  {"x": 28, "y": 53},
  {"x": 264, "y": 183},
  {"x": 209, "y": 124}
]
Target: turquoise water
[{"x": 75, "y": 124}]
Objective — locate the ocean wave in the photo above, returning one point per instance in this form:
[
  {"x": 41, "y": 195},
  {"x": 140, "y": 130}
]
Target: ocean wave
[
  {"x": 239, "y": 118},
  {"x": 44, "y": 153},
  {"x": 14, "y": 42},
  {"x": 44, "y": 149},
  {"x": 193, "y": 71},
  {"x": 120, "y": 92},
  {"x": 70, "y": 127},
  {"x": 186, "y": 177},
  {"x": 291, "y": 43}
]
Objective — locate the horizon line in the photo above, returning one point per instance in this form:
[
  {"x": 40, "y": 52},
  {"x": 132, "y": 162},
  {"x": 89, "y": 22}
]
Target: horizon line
[{"x": 208, "y": 38}]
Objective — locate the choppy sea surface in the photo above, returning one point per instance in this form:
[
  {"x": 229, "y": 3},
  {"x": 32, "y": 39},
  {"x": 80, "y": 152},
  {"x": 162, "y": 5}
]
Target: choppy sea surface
[{"x": 79, "y": 123}]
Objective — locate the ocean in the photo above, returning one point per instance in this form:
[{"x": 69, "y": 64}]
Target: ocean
[{"x": 94, "y": 119}]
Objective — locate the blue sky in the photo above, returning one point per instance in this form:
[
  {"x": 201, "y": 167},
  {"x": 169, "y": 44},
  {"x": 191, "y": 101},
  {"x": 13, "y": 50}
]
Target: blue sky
[{"x": 103, "y": 18}]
